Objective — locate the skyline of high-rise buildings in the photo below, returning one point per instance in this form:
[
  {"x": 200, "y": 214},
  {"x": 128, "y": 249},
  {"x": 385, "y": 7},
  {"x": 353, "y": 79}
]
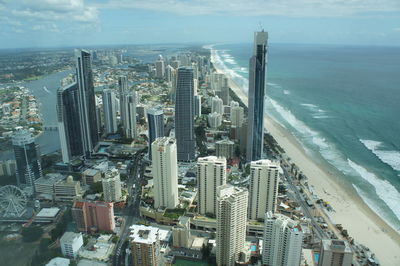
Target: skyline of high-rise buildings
[
  {"x": 256, "y": 95},
  {"x": 233, "y": 206}
]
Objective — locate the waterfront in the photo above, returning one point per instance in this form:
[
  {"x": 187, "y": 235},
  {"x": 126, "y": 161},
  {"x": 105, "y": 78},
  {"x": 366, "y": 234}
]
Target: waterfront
[
  {"x": 296, "y": 135},
  {"x": 45, "y": 90}
]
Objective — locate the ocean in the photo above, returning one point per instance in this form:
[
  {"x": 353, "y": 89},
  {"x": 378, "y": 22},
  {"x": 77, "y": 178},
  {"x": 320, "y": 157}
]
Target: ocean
[{"x": 342, "y": 103}]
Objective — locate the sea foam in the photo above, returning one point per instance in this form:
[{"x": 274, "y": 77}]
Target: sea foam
[
  {"x": 309, "y": 137},
  {"x": 372, "y": 204},
  {"x": 386, "y": 191},
  {"x": 389, "y": 157}
]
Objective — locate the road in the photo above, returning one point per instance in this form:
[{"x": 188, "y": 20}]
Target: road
[
  {"x": 306, "y": 209},
  {"x": 307, "y": 212},
  {"x": 131, "y": 211}
]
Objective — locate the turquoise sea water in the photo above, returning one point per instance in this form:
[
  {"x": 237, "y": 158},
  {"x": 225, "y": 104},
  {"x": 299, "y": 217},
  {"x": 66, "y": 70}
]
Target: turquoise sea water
[{"x": 343, "y": 104}]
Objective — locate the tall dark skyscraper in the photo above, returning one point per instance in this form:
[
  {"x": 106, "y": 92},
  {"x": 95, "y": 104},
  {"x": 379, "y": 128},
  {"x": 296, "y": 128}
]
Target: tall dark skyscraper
[
  {"x": 184, "y": 114},
  {"x": 155, "y": 118},
  {"x": 123, "y": 88},
  {"x": 257, "y": 82},
  {"x": 87, "y": 102},
  {"x": 109, "y": 111},
  {"x": 69, "y": 126},
  {"x": 27, "y": 158}
]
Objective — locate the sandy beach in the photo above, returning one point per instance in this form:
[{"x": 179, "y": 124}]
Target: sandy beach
[{"x": 364, "y": 225}]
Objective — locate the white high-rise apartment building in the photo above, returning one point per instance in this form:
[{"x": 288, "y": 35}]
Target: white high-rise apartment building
[
  {"x": 217, "y": 106},
  {"x": 165, "y": 175},
  {"x": 170, "y": 73},
  {"x": 109, "y": 110},
  {"x": 214, "y": 120},
  {"x": 70, "y": 244},
  {"x": 112, "y": 186},
  {"x": 231, "y": 223},
  {"x": 145, "y": 245},
  {"x": 225, "y": 148},
  {"x": 282, "y": 241},
  {"x": 181, "y": 233},
  {"x": 335, "y": 252},
  {"x": 237, "y": 114},
  {"x": 211, "y": 173},
  {"x": 160, "y": 68},
  {"x": 263, "y": 191}
]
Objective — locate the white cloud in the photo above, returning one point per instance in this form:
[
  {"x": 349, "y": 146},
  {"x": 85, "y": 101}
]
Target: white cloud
[
  {"x": 53, "y": 10},
  {"x": 47, "y": 15},
  {"x": 297, "y": 8}
]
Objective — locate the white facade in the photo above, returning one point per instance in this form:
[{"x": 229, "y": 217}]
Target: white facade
[
  {"x": 282, "y": 241},
  {"x": 145, "y": 245},
  {"x": 112, "y": 186},
  {"x": 236, "y": 114},
  {"x": 71, "y": 243},
  {"x": 211, "y": 173},
  {"x": 181, "y": 233},
  {"x": 225, "y": 148},
  {"x": 263, "y": 190},
  {"x": 160, "y": 68},
  {"x": 217, "y": 106},
  {"x": 169, "y": 73},
  {"x": 215, "y": 120},
  {"x": 67, "y": 190},
  {"x": 231, "y": 223},
  {"x": 109, "y": 111},
  {"x": 165, "y": 175},
  {"x": 335, "y": 253}
]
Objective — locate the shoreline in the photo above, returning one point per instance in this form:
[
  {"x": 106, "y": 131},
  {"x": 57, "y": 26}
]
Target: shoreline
[{"x": 362, "y": 223}]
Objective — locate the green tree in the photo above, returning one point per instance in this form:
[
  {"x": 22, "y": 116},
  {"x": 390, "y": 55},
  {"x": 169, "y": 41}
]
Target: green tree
[
  {"x": 115, "y": 239},
  {"x": 96, "y": 187},
  {"x": 44, "y": 244},
  {"x": 31, "y": 234}
]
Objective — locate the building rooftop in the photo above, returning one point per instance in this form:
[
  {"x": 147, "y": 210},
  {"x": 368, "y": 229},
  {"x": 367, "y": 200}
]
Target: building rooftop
[
  {"x": 86, "y": 262},
  {"x": 269, "y": 163},
  {"x": 336, "y": 245},
  {"x": 48, "y": 212},
  {"x": 164, "y": 141},
  {"x": 70, "y": 236},
  {"x": 58, "y": 262},
  {"x": 214, "y": 159},
  {"x": 144, "y": 234},
  {"x": 225, "y": 141},
  {"x": 49, "y": 179},
  {"x": 90, "y": 172}
]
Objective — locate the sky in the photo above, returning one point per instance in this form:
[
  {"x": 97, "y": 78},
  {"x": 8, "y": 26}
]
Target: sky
[{"x": 69, "y": 23}]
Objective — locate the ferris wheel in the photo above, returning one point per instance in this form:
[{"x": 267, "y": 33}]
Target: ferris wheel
[{"x": 12, "y": 201}]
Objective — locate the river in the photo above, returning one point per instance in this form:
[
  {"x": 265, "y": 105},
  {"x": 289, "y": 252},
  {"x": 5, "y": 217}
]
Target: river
[{"x": 45, "y": 91}]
